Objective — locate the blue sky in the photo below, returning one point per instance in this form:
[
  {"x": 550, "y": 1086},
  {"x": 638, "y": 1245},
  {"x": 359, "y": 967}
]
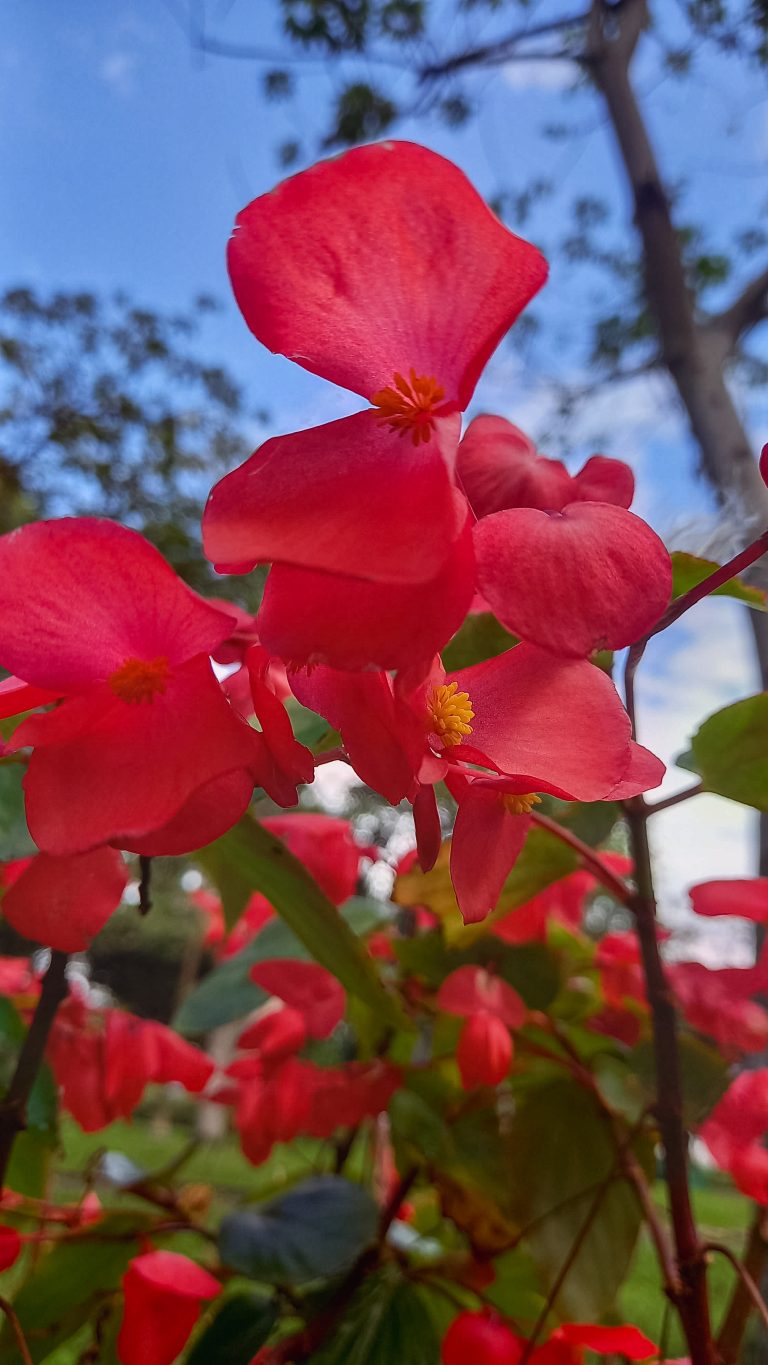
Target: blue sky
[{"x": 124, "y": 158}]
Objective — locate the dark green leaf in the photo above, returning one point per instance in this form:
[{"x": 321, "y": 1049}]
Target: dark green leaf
[
  {"x": 561, "y": 1149},
  {"x": 386, "y": 1323},
  {"x": 250, "y": 858},
  {"x": 705, "y": 1075},
  {"x": 64, "y": 1288},
  {"x": 239, "y": 1329},
  {"x": 730, "y": 752},
  {"x": 315, "y": 1231}
]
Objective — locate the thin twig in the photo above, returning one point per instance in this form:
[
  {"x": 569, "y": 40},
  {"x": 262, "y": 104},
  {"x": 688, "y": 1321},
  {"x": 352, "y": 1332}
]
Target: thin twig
[
  {"x": 16, "y": 1328},
  {"x": 145, "y": 882},
  {"x": 741, "y": 1270},
  {"x": 739, "y": 1311},
  {"x": 589, "y": 857},
  {"x": 13, "y": 1108},
  {"x": 668, "y": 801}
]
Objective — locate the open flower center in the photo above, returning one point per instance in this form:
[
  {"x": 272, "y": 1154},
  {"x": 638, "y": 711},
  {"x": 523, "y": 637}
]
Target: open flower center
[
  {"x": 520, "y": 804},
  {"x": 410, "y": 405},
  {"x": 449, "y": 713},
  {"x": 139, "y": 680}
]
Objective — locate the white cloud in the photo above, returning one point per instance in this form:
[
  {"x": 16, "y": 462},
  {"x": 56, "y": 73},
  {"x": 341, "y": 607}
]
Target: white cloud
[{"x": 546, "y": 74}]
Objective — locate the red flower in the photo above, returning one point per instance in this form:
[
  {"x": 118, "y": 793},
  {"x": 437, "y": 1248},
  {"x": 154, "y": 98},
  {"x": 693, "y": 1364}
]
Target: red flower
[
  {"x": 92, "y": 613},
  {"x": 163, "y": 1293},
  {"x": 735, "y": 1133},
  {"x": 307, "y": 988},
  {"x": 484, "y": 1052},
  {"x": 103, "y": 1061},
  {"x": 481, "y": 1338},
  {"x": 63, "y": 902},
  {"x": 500, "y": 467},
  {"x": 10, "y": 1247},
  {"x": 383, "y": 271}
]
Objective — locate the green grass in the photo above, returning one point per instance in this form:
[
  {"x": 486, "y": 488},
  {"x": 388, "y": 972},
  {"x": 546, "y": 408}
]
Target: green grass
[{"x": 722, "y": 1215}]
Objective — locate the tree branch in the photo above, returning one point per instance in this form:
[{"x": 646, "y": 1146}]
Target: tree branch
[
  {"x": 745, "y": 312},
  {"x": 504, "y": 49},
  {"x": 13, "y": 1108}
]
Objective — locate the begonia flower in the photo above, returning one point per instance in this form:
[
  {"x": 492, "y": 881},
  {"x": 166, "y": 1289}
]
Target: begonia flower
[
  {"x": 63, "y": 903},
  {"x": 499, "y": 467},
  {"x": 93, "y": 613},
  {"x": 275, "y": 1035},
  {"x": 385, "y": 272},
  {"x": 280, "y": 1102},
  {"x": 735, "y": 1133},
  {"x": 103, "y": 1061},
  {"x": 482, "y": 1338},
  {"x": 10, "y": 1247},
  {"x": 307, "y": 988},
  {"x": 491, "y": 1008},
  {"x": 163, "y": 1292},
  {"x": 567, "y": 1344}
]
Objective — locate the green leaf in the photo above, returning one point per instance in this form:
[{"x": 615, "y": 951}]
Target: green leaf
[
  {"x": 544, "y": 859},
  {"x": 317, "y": 1230},
  {"x": 387, "y": 1323},
  {"x": 561, "y": 1149},
  {"x": 30, "y": 1162},
  {"x": 688, "y": 571},
  {"x": 481, "y": 637},
  {"x": 239, "y": 1329},
  {"x": 531, "y": 968},
  {"x": 704, "y": 1071},
  {"x": 65, "y": 1287},
  {"x": 228, "y": 993},
  {"x": 730, "y": 752},
  {"x": 249, "y": 858}
]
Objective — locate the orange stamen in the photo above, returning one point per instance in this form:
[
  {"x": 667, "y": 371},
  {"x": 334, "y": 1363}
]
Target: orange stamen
[
  {"x": 519, "y": 804},
  {"x": 410, "y": 405},
  {"x": 140, "y": 680},
  {"x": 449, "y": 713}
]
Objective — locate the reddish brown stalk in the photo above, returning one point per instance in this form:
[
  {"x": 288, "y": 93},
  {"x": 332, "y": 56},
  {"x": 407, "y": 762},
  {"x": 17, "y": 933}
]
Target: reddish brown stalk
[
  {"x": 743, "y": 1302},
  {"x": 21, "y": 1341},
  {"x": 589, "y": 857},
  {"x": 13, "y": 1108}
]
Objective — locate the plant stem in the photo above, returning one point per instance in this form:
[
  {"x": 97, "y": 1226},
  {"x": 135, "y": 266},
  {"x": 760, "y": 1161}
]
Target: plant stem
[
  {"x": 717, "y": 579},
  {"x": 668, "y": 801},
  {"x": 21, "y": 1341},
  {"x": 589, "y": 857},
  {"x": 13, "y": 1109}
]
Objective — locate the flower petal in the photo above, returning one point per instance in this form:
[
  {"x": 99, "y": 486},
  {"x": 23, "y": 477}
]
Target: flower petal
[
  {"x": 80, "y": 596},
  {"x": 486, "y": 843},
  {"x": 63, "y": 903},
  {"x": 379, "y": 261},
  {"x": 558, "y": 721},
  {"x": 206, "y": 815},
  {"x": 349, "y": 623},
  {"x": 591, "y": 577},
  {"x": 104, "y": 768},
  {"x": 380, "y": 733},
  {"x": 348, "y": 497},
  {"x": 745, "y": 896}
]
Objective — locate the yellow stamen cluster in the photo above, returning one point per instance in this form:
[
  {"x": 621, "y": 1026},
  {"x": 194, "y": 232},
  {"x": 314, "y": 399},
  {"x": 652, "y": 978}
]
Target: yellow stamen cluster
[
  {"x": 449, "y": 713},
  {"x": 518, "y": 804},
  {"x": 140, "y": 680},
  {"x": 410, "y": 405}
]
